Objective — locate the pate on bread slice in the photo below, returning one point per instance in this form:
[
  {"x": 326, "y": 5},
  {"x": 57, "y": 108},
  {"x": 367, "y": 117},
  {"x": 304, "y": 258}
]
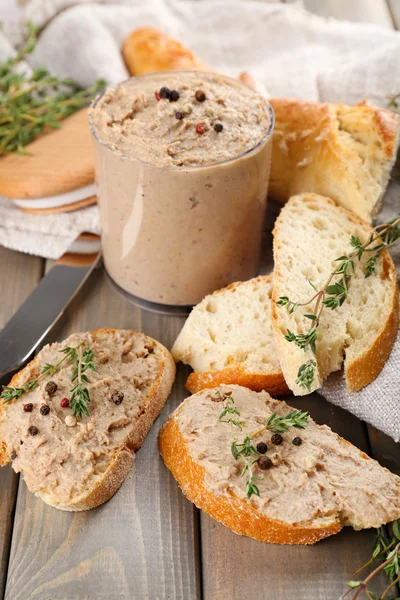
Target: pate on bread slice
[
  {"x": 310, "y": 489},
  {"x": 340, "y": 151},
  {"x": 78, "y": 462},
  {"x": 228, "y": 338},
  {"x": 310, "y": 234}
]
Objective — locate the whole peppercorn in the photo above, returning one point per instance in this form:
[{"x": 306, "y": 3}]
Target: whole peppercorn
[
  {"x": 218, "y": 127},
  {"x": 174, "y": 96},
  {"x": 264, "y": 463},
  {"x": 117, "y": 397},
  {"x": 165, "y": 93},
  {"x": 28, "y": 407},
  {"x": 277, "y": 439},
  {"x": 179, "y": 115},
  {"x": 262, "y": 447},
  {"x": 297, "y": 441},
  {"x": 200, "y": 96},
  {"x": 64, "y": 403},
  {"x": 44, "y": 409},
  {"x": 33, "y": 430},
  {"x": 199, "y": 129},
  {"x": 51, "y": 388}
]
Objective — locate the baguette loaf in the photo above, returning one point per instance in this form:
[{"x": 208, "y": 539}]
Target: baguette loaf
[
  {"x": 343, "y": 152},
  {"x": 78, "y": 463},
  {"x": 310, "y": 233},
  {"x": 311, "y": 489},
  {"x": 228, "y": 338},
  {"x": 148, "y": 50}
]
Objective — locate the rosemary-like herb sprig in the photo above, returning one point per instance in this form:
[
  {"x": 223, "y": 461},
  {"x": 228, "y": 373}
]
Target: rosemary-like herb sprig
[
  {"x": 334, "y": 293},
  {"x": 31, "y": 103},
  {"x": 387, "y": 552},
  {"x": 245, "y": 450}
]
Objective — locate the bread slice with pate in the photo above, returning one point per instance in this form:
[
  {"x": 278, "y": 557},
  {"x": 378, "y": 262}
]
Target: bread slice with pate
[
  {"x": 310, "y": 234},
  {"x": 78, "y": 462},
  {"x": 228, "y": 338},
  {"x": 310, "y": 481}
]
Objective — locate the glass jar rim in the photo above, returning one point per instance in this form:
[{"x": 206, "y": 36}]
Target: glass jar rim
[{"x": 160, "y": 74}]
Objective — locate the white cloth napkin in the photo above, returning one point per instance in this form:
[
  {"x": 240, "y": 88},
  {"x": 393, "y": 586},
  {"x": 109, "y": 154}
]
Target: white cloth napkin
[{"x": 290, "y": 51}]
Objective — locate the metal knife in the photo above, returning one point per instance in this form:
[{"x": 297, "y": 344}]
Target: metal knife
[{"x": 31, "y": 323}]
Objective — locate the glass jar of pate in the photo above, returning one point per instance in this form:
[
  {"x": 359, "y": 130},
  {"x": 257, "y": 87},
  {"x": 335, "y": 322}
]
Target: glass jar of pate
[{"x": 182, "y": 165}]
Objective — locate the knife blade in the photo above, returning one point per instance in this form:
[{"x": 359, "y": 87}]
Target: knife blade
[{"x": 34, "y": 319}]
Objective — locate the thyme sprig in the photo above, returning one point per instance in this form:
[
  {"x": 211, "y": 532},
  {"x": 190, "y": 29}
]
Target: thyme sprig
[
  {"x": 32, "y": 103},
  {"x": 9, "y": 393},
  {"x": 245, "y": 450},
  {"x": 386, "y": 551},
  {"x": 80, "y": 398},
  {"x": 335, "y": 291},
  {"x": 84, "y": 361}
]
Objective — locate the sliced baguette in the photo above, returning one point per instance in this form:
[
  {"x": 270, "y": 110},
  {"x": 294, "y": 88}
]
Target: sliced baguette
[
  {"x": 309, "y": 493},
  {"x": 228, "y": 338},
  {"x": 310, "y": 233},
  {"x": 343, "y": 152},
  {"x": 78, "y": 467}
]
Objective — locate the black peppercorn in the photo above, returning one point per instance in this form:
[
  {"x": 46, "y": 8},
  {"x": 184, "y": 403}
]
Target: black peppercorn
[
  {"x": 165, "y": 93},
  {"x": 179, "y": 115},
  {"x": 262, "y": 447},
  {"x": 117, "y": 397},
  {"x": 44, "y": 409},
  {"x": 297, "y": 441},
  {"x": 264, "y": 463},
  {"x": 174, "y": 96},
  {"x": 33, "y": 430},
  {"x": 277, "y": 439},
  {"x": 28, "y": 407},
  {"x": 218, "y": 127},
  {"x": 51, "y": 388},
  {"x": 200, "y": 96}
]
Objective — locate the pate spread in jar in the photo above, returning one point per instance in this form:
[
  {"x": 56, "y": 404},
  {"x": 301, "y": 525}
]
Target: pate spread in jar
[{"x": 182, "y": 166}]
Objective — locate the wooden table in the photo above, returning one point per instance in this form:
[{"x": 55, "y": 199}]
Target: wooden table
[{"x": 149, "y": 542}]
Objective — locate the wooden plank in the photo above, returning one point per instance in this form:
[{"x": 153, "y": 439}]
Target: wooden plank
[
  {"x": 359, "y": 11},
  {"x": 13, "y": 291},
  {"x": 143, "y": 542},
  {"x": 245, "y": 568}
]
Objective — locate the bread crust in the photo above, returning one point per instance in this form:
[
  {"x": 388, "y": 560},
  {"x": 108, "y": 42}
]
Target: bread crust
[
  {"x": 103, "y": 490},
  {"x": 148, "y": 50},
  {"x": 275, "y": 383},
  {"x": 321, "y": 156},
  {"x": 236, "y": 513},
  {"x": 361, "y": 371}
]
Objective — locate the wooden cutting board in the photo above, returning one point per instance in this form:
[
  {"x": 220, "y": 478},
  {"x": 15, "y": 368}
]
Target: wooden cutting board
[{"x": 59, "y": 161}]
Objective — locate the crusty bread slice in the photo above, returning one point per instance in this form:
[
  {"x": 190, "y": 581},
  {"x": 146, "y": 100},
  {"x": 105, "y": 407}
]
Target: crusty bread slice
[
  {"x": 310, "y": 492},
  {"x": 149, "y": 50},
  {"x": 343, "y": 152},
  {"x": 228, "y": 338},
  {"x": 310, "y": 233},
  {"x": 79, "y": 466}
]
